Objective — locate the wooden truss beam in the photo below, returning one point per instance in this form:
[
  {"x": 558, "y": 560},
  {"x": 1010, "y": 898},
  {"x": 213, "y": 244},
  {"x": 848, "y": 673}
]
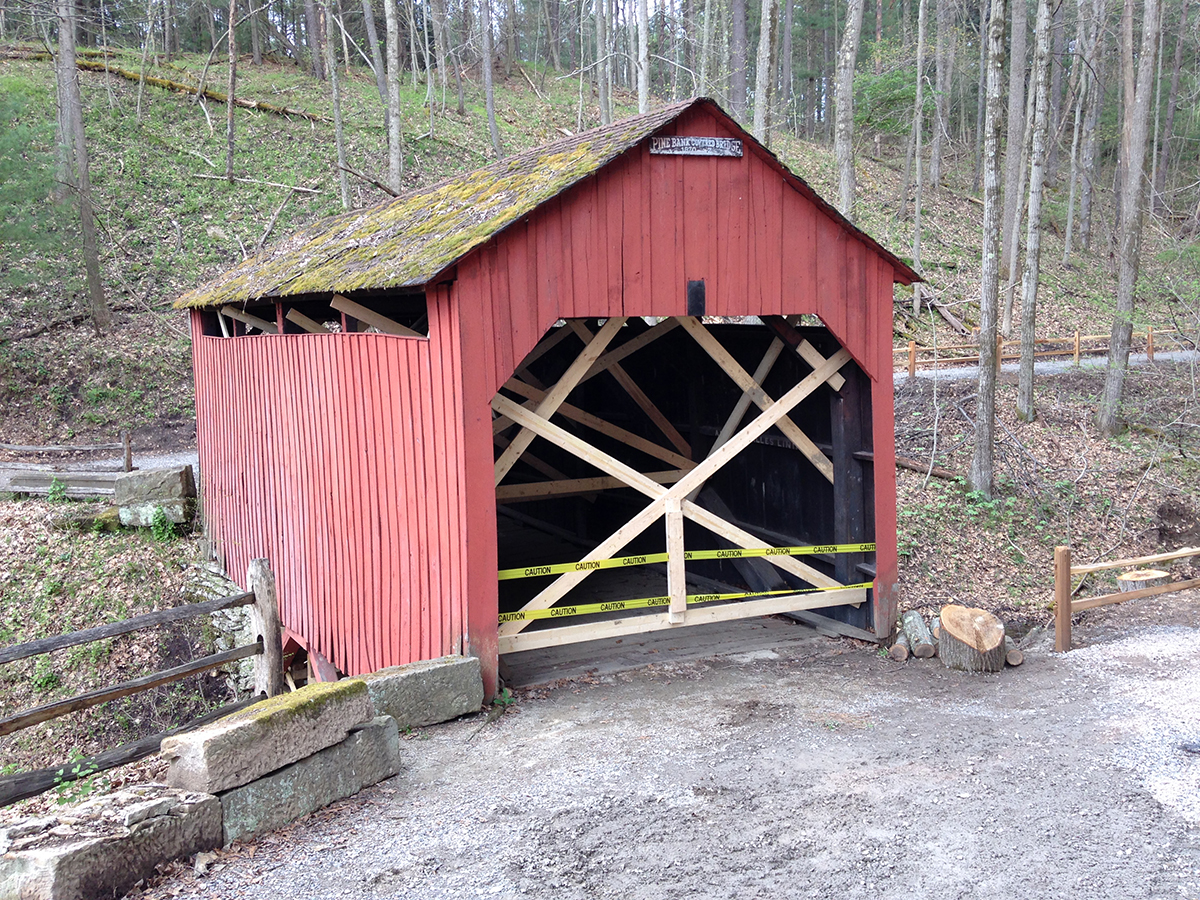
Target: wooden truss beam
[
  {"x": 378, "y": 320},
  {"x": 638, "y": 396},
  {"x": 247, "y": 319},
  {"x": 697, "y": 615},
  {"x": 312, "y": 326},
  {"x": 696, "y": 477},
  {"x": 742, "y": 378},
  {"x": 538, "y": 490},
  {"x": 631, "y": 346},
  {"x": 557, "y": 394}
]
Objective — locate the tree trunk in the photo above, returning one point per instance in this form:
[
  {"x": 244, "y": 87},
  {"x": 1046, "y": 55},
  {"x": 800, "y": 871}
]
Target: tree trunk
[
  {"x": 1015, "y": 140},
  {"x": 944, "y": 63},
  {"x": 1137, "y": 121},
  {"x": 1014, "y": 247},
  {"x": 1091, "y": 122},
  {"x": 438, "y": 8},
  {"x": 844, "y": 108},
  {"x": 489, "y": 95},
  {"x": 982, "y": 93},
  {"x": 971, "y": 640},
  {"x": 920, "y": 641},
  {"x": 918, "y": 128},
  {"x": 381, "y": 72},
  {"x": 764, "y": 69},
  {"x": 643, "y": 56},
  {"x": 335, "y": 88},
  {"x": 980, "y": 476},
  {"x": 738, "y": 47},
  {"x": 231, "y": 90},
  {"x": 1082, "y": 88},
  {"x": 603, "y": 63},
  {"x": 1033, "y": 234},
  {"x": 312, "y": 30},
  {"x": 255, "y": 34},
  {"x": 784, "y": 102},
  {"x": 395, "y": 148},
  {"x": 1056, "y": 90},
  {"x": 706, "y": 47},
  {"x": 1164, "y": 158},
  {"x": 75, "y": 138}
]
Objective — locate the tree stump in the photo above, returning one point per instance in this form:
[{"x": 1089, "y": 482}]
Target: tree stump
[
  {"x": 972, "y": 640},
  {"x": 1140, "y": 578}
]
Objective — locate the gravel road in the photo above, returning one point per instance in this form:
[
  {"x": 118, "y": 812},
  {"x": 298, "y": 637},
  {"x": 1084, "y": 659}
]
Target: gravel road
[{"x": 825, "y": 772}]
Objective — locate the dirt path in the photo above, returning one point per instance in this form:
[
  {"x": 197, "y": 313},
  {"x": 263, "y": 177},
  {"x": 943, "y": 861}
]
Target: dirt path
[{"x": 826, "y": 773}]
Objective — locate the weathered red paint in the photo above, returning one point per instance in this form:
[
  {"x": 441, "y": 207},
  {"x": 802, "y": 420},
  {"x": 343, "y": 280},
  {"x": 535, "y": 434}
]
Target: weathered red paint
[{"x": 362, "y": 464}]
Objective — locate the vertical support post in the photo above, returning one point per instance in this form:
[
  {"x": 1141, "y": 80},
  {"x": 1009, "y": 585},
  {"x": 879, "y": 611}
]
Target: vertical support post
[
  {"x": 279, "y": 316},
  {"x": 127, "y": 447},
  {"x": 264, "y": 620},
  {"x": 676, "y": 572},
  {"x": 1150, "y": 343},
  {"x": 849, "y": 500},
  {"x": 912, "y": 359},
  {"x": 1076, "y": 346},
  {"x": 1062, "y": 599}
]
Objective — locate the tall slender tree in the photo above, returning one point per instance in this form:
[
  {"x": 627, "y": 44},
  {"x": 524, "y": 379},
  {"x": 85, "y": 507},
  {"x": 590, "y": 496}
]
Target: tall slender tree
[
  {"x": 395, "y": 147},
  {"x": 738, "y": 49},
  {"x": 843, "y": 135},
  {"x": 231, "y": 42},
  {"x": 1015, "y": 141},
  {"x": 764, "y": 69},
  {"x": 485, "y": 24},
  {"x": 643, "y": 56},
  {"x": 982, "y": 460},
  {"x": 1135, "y": 134},
  {"x": 1037, "y": 178}
]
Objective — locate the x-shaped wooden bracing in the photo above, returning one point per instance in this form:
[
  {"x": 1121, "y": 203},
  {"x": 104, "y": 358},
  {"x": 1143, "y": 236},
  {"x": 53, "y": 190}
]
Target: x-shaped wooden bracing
[{"x": 675, "y": 502}]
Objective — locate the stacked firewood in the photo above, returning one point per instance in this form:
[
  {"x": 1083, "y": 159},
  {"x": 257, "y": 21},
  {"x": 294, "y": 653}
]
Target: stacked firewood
[{"x": 963, "y": 637}]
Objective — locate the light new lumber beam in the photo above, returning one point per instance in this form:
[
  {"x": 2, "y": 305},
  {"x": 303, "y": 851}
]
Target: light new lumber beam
[
  {"x": 631, "y": 346},
  {"x": 557, "y": 394},
  {"x": 628, "y": 438},
  {"x": 644, "y": 403},
  {"x": 1135, "y": 561},
  {"x": 697, "y": 615},
  {"x": 247, "y": 319},
  {"x": 378, "y": 320},
  {"x": 697, "y": 476},
  {"x": 513, "y": 493},
  {"x": 742, "y": 378},
  {"x": 801, "y": 346}
]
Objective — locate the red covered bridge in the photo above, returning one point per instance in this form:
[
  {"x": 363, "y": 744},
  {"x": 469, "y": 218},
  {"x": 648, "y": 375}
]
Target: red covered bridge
[{"x": 634, "y": 379}]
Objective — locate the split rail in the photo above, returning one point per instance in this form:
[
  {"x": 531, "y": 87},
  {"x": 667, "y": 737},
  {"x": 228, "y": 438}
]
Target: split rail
[
  {"x": 268, "y": 679},
  {"x": 1065, "y": 607},
  {"x": 1075, "y": 346}
]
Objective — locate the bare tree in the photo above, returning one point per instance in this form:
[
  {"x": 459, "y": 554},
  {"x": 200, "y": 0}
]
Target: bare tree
[
  {"x": 313, "y": 34},
  {"x": 1015, "y": 139},
  {"x": 381, "y": 72},
  {"x": 918, "y": 128},
  {"x": 75, "y": 139},
  {"x": 603, "y": 62},
  {"x": 395, "y": 148},
  {"x": 764, "y": 71},
  {"x": 1033, "y": 234},
  {"x": 643, "y": 56},
  {"x": 1135, "y": 132},
  {"x": 1091, "y": 122},
  {"x": 232, "y": 88},
  {"x": 335, "y": 88},
  {"x": 980, "y": 475},
  {"x": 485, "y": 25},
  {"x": 738, "y": 49},
  {"x": 944, "y": 63},
  {"x": 1164, "y": 159},
  {"x": 843, "y": 134}
]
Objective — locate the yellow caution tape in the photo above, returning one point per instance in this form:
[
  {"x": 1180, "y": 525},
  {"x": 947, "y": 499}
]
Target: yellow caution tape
[
  {"x": 557, "y": 612},
  {"x": 647, "y": 558}
]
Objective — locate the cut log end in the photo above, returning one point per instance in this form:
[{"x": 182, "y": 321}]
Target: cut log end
[
  {"x": 1139, "y": 579},
  {"x": 972, "y": 640},
  {"x": 900, "y": 650},
  {"x": 1012, "y": 655},
  {"x": 919, "y": 638}
]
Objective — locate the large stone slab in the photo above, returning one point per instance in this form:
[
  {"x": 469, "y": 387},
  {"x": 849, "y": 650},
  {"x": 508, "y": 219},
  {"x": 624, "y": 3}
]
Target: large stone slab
[
  {"x": 426, "y": 692},
  {"x": 139, "y": 495},
  {"x": 369, "y": 754},
  {"x": 104, "y": 846},
  {"x": 265, "y": 737}
]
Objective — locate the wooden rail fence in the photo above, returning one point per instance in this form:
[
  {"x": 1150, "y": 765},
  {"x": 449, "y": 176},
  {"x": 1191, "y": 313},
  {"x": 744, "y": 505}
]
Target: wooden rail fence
[
  {"x": 267, "y": 651},
  {"x": 1075, "y": 346},
  {"x": 125, "y": 445},
  {"x": 1065, "y": 606}
]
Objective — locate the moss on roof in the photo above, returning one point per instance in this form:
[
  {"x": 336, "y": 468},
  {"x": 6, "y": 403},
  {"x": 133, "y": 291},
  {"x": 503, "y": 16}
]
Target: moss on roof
[{"x": 407, "y": 241}]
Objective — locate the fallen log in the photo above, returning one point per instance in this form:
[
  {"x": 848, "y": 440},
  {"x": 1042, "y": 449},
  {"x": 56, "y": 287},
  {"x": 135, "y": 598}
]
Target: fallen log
[
  {"x": 935, "y": 628},
  {"x": 1012, "y": 655},
  {"x": 899, "y": 651},
  {"x": 972, "y": 640},
  {"x": 208, "y": 93},
  {"x": 919, "y": 638}
]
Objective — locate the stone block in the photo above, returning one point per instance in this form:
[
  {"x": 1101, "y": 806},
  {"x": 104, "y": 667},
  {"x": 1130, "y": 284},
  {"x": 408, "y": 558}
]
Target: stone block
[
  {"x": 265, "y": 737},
  {"x": 369, "y": 754},
  {"x": 140, "y": 494},
  {"x": 89, "y": 851},
  {"x": 426, "y": 692}
]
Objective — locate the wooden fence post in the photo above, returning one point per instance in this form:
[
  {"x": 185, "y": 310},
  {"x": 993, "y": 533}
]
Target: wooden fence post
[
  {"x": 127, "y": 447},
  {"x": 264, "y": 619},
  {"x": 1062, "y": 599},
  {"x": 1150, "y": 343},
  {"x": 912, "y": 359},
  {"x": 1076, "y": 346}
]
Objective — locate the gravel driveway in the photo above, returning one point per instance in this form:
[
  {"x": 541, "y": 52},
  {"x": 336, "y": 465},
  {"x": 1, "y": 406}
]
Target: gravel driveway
[{"x": 825, "y": 772}]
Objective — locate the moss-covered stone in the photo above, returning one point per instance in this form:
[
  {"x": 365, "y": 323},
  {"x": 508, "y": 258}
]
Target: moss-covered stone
[{"x": 265, "y": 737}]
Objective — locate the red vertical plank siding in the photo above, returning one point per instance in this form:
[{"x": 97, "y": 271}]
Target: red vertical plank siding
[{"x": 886, "y": 571}]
